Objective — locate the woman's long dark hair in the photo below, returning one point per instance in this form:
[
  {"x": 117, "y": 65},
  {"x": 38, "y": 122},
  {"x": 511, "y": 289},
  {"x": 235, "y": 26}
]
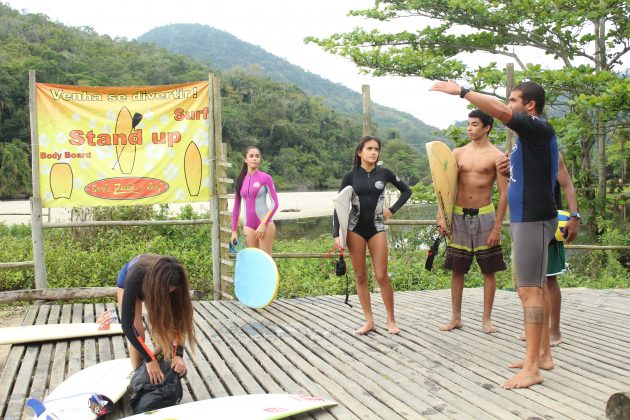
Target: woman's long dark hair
[
  {"x": 241, "y": 176},
  {"x": 170, "y": 313},
  {"x": 356, "y": 161}
]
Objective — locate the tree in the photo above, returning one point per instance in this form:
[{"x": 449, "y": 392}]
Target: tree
[
  {"x": 15, "y": 170},
  {"x": 586, "y": 41},
  {"x": 404, "y": 161}
]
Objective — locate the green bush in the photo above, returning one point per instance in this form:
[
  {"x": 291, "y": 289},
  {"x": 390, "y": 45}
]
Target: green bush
[{"x": 93, "y": 256}]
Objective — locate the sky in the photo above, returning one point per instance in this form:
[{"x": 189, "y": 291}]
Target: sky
[{"x": 278, "y": 26}]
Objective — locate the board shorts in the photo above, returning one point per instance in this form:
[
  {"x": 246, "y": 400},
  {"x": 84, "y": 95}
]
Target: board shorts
[
  {"x": 530, "y": 248},
  {"x": 556, "y": 263},
  {"x": 470, "y": 231}
]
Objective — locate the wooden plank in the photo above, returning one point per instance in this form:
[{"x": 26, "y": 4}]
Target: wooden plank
[
  {"x": 42, "y": 370},
  {"x": 447, "y": 374},
  {"x": 445, "y": 358},
  {"x": 555, "y": 383},
  {"x": 560, "y": 379},
  {"x": 307, "y": 346},
  {"x": 254, "y": 345},
  {"x": 75, "y": 354},
  {"x": 238, "y": 371},
  {"x": 58, "y": 365},
  {"x": 103, "y": 344},
  {"x": 435, "y": 391},
  {"x": 25, "y": 373},
  {"x": 371, "y": 366},
  {"x": 485, "y": 365},
  {"x": 337, "y": 371},
  {"x": 294, "y": 365},
  {"x": 584, "y": 359},
  {"x": 256, "y": 381},
  {"x": 12, "y": 365},
  {"x": 267, "y": 373},
  {"x": 118, "y": 342},
  {"x": 502, "y": 359},
  {"x": 216, "y": 374},
  {"x": 196, "y": 389},
  {"x": 89, "y": 344}
]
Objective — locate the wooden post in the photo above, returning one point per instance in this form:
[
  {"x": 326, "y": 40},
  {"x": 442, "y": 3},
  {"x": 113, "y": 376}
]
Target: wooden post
[
  {"x": 225, "y": 220},
  {"x": 214, "y": 198},
  {"x": 37, "y": 231},
  {"x": 367, "y": 110},
  {"x": 221, "y": 226}
]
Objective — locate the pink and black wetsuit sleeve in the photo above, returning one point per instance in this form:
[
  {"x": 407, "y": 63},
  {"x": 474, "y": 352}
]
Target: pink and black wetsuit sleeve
[
  {"x": 254, "y": 194},
  {"x": 133, "y": 291},
  {"x": 271, "y": 190},
  {"x": 236, "y": 210}
]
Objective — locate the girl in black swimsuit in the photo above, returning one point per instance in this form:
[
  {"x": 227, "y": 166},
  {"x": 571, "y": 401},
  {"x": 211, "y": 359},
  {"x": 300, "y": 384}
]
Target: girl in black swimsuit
[
  {"x": 161, "y": 282},
  {"x": 366, "y": 226}
]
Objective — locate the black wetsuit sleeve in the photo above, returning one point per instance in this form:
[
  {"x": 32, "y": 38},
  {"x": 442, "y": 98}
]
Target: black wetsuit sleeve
[
  {"x": 347, "y": 180},
  {"x": 405, "y": 191},
  {"x": 529, "y": 128},
  {"x": 179, "y": 351},
  {"x": 133, "y": 291}
]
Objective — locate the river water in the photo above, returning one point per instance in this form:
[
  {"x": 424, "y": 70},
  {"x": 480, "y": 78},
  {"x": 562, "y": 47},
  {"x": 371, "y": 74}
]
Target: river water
[
  {"x": 300, "y": 215},
  {"x": 293, "y": 205}
]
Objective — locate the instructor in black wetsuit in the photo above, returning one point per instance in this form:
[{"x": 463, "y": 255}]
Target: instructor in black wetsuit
[
  {"x": 161, "y": 282},
  {"x": 532, "y": 171},
  {"x": 366, "y": 226}
]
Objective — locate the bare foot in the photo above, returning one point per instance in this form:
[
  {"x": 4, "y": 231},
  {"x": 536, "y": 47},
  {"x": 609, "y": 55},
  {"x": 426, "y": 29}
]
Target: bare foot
[
  {"x": 555, "y": 340},
  {"x": 546, "y": 363},
  {"x": 487, "y": 326},
  {"x": 368, "y": 327},
  {"x": 454, "y": 324},
  {"x": 522, "y": 380},
  {"x": 392, "y": 328}
]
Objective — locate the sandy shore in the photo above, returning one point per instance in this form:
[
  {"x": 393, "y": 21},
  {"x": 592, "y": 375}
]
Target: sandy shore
[{"x": 293, "y": 205}]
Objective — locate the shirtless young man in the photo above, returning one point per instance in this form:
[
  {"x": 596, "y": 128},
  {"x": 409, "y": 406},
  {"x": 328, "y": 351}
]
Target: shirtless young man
[
  {"x": 476, "y": 232},
  {"x": 532, "y": 171}
]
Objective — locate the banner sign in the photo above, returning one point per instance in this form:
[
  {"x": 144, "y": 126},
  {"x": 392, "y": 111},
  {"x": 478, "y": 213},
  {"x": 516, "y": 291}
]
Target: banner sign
[{"x": 110, "y": 146}]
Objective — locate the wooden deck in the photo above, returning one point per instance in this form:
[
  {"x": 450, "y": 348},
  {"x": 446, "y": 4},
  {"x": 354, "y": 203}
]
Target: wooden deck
[{"x": 307, "y": 346}]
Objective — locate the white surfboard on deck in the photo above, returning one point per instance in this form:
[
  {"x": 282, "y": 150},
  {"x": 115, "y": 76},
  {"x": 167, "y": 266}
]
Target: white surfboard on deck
[
  {"x": 70, "y": 399},
  {"x": 47, "y": 332},
  {"x": 240, "y": 407}
]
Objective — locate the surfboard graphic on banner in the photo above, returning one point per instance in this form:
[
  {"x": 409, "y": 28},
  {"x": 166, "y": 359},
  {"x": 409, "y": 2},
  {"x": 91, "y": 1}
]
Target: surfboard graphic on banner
[{"x": 105, "y": 146}]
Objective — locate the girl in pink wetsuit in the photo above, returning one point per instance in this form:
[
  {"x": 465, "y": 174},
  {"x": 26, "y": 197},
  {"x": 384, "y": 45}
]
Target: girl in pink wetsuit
[{"x": 253, "y": 186}]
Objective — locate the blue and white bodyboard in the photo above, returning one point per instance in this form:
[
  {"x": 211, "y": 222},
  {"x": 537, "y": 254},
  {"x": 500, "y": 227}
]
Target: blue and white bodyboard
[{"x": 256, "y": 278}]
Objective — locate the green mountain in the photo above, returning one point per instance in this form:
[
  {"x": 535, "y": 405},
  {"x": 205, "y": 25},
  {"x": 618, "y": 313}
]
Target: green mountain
[
  {"x": 222, "y": 50},
  {"x": 305, "y": 143}
]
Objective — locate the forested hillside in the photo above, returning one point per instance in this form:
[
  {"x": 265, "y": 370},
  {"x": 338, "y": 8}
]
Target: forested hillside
[
  {"x": 306, "y": 144},
  {"x": 224, "y": 51}
]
